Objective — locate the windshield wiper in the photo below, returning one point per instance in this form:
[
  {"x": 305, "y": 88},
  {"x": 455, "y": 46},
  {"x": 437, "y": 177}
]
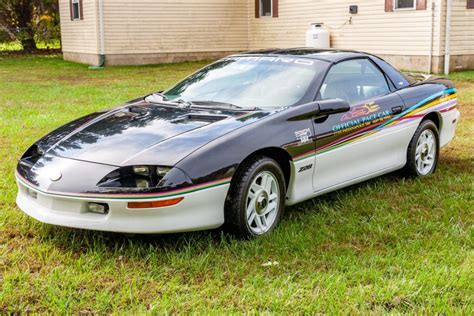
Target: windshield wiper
[
  {"x": 220, "y": 105},
  {"x": 209, "y": 102},
  {"x": 162, "y": 99}
]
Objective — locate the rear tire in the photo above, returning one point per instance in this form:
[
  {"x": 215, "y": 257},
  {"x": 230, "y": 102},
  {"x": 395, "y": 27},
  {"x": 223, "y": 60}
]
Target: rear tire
[
  {"x": 423, "y": 151},
  {"x": 256, "y": 199}
]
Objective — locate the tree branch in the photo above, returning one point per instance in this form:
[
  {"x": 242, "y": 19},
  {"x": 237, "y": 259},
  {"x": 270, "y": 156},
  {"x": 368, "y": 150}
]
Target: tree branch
[{"x": 9, "y": 32}]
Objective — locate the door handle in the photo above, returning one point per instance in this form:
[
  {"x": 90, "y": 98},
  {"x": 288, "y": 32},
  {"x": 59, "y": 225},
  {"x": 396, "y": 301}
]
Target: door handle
[{"x": 397, "y": 109}]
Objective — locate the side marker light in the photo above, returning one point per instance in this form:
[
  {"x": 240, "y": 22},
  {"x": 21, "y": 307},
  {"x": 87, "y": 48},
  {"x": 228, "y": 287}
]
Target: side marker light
[{"x": 155, "y": 204}]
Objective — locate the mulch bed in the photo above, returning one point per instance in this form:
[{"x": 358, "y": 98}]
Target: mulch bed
[{"x": 38, "y": 52}]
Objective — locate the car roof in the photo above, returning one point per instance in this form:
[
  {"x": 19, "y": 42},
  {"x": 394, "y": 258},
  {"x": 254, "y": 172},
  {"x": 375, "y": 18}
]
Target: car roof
[
  {"x": 329, "y": 55},
  {"x": 332, "y": 56}
]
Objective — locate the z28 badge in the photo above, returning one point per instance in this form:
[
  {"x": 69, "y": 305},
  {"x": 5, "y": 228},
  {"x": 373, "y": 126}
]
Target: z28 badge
[
  {"x": 304, "y": 168},
  {"x": 360, "y": 110}
]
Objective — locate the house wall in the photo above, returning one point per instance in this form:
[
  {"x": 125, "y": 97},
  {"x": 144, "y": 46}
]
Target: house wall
[
  {"x": 462, "y": 36},
  {"x": 160, "y": 31},
  {"x": 79, "y": 38},
  {"x": 404, "y": 37},
  {"x": 462, "y": 28},
  {"x": 146, "y": 31}
]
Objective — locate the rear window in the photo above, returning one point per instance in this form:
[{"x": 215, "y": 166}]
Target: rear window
[{"x": 398, "y": 79}]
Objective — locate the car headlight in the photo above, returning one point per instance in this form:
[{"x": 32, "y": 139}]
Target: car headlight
[
  {"x": 142, "y": 176},
  {"x": 31, "y": 156}
]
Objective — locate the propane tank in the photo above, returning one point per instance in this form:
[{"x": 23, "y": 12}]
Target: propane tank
[{"x": 317, "y": 36}]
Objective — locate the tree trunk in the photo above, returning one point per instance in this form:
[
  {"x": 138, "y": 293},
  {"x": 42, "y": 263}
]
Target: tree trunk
[
  {"x": 24, "y": 12},
  {"x": 28, "y": 44}
]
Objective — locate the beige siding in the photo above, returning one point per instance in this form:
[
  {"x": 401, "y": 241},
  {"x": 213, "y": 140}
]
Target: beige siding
[
  {"x": 150, "y": 31},
  {"x": 167, "y": 26},
  {"x": 79, "y": 36},
  {"x": 462, "y": 36},
  {"x": 372, "y": 29},
  {"x": 462, "y": 29}
]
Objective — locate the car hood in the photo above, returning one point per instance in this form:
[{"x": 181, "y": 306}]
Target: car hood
[{"x": 142, "y": 133}]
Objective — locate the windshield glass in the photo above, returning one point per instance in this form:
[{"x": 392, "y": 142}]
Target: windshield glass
[{"x": 263, "y": 82}]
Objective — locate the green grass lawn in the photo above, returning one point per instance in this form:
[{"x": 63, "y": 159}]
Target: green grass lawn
[{"x": 387, "y": 245}]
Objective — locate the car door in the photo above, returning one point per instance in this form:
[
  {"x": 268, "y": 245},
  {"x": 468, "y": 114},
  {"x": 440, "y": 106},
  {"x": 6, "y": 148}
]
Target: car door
[{"x": 349, "y": 146}]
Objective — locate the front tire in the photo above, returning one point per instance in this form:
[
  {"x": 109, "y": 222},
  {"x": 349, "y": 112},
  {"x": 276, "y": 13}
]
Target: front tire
[
  {"x": 423, "y": 151},
  {"x": 256, "y": 199}
]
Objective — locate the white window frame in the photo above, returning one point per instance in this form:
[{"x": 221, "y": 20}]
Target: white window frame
[
  {"x": 403, "y": 9},
  {"x": 76, "y": 2},
  {"x": 261, "y": 9}
]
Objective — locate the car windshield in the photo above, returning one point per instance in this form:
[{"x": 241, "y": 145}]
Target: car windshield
[{"x": 248, "y": 82}]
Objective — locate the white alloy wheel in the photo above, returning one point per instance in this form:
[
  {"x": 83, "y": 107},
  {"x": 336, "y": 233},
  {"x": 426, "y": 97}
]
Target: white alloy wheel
[
  {"x": 263, "y": 198},
  {"x": 425, "y": 152}
]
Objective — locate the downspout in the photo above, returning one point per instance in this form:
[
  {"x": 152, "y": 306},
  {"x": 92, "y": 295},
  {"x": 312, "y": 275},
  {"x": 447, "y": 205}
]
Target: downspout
[
  {"x": 447, "y": 37},
  {"x": 101, "y": 37},
  {"x": 248, "y": 24},
  {"x": 430, "y": 59},
  {"x": 101, "y": 34}
]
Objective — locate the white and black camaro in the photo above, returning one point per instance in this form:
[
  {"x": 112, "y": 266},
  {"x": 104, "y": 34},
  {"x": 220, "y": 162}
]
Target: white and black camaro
[{"x": 237, "y": 141}]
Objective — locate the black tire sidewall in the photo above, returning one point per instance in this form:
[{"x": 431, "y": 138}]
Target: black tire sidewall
[
  {"x": 235, "y": 210},
  {"x": 411, "y": 159}
]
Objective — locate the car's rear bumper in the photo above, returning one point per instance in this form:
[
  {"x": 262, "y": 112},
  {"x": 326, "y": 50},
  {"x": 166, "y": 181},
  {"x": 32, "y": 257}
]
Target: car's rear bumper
[
  {"x": 450, "y": 120},
  {"x": 198, "y": 210}
]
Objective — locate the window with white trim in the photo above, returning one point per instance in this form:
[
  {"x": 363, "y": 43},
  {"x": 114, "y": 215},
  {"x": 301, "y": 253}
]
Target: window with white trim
[
  {"x": 404, "y": 4},
  {"x": 76, "y": 10},
  {"x": 265, "y": 7}
]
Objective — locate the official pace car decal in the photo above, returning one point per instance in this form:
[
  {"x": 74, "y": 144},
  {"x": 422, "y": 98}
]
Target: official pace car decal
[
  {"x": 357, "y": 123},
  {"x": 360, "y": 110},
  {"x": 363, "y": 127}
]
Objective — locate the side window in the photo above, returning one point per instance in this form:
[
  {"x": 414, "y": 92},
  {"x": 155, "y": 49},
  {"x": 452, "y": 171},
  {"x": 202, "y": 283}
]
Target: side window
[
  {"x": 405, "y": 4},
  {"x": 76, "y": 9},
  {"x": 396, "y": 5},
  {"x": 266, "y": 8},
  {"x": 354, "y": 81}
]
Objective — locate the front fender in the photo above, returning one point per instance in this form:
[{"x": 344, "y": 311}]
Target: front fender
[{"x": 220, "y": 158}]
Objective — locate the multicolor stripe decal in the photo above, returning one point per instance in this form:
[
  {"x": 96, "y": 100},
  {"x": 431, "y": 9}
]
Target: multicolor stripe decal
[
  {"x": 433, "y": 100},
  {"x": 128, "y": 196},
  {"x": 442, "y": 102}
]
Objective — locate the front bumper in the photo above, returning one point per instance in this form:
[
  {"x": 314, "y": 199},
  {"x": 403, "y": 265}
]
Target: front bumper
[{"x": 199, "y": 210}]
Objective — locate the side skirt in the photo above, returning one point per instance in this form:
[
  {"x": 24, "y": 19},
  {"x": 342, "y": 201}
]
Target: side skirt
[{"x": 345, "y": 184}]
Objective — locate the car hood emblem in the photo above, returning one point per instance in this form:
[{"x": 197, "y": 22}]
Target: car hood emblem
[{"x": 55, "y": 176}]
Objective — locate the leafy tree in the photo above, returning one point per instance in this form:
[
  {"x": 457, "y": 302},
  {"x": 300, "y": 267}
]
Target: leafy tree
[{"x": 25, "y": 20}]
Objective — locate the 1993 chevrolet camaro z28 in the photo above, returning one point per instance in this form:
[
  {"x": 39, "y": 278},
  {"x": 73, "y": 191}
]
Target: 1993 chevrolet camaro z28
[{"x": 237, "y": 141}]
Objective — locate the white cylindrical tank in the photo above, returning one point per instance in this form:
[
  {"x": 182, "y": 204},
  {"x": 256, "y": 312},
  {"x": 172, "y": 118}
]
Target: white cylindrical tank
[{"x": 317, "y": 36}]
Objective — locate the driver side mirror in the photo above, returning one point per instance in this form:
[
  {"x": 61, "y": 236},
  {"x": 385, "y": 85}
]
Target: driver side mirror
[
  {"x": 333, "y": 106},
  {"x": 318, "y": 109}
]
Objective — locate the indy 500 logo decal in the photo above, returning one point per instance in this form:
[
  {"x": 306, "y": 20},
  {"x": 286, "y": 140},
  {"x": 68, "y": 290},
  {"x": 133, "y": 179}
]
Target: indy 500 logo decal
[{"x": 303, "y": 136}]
